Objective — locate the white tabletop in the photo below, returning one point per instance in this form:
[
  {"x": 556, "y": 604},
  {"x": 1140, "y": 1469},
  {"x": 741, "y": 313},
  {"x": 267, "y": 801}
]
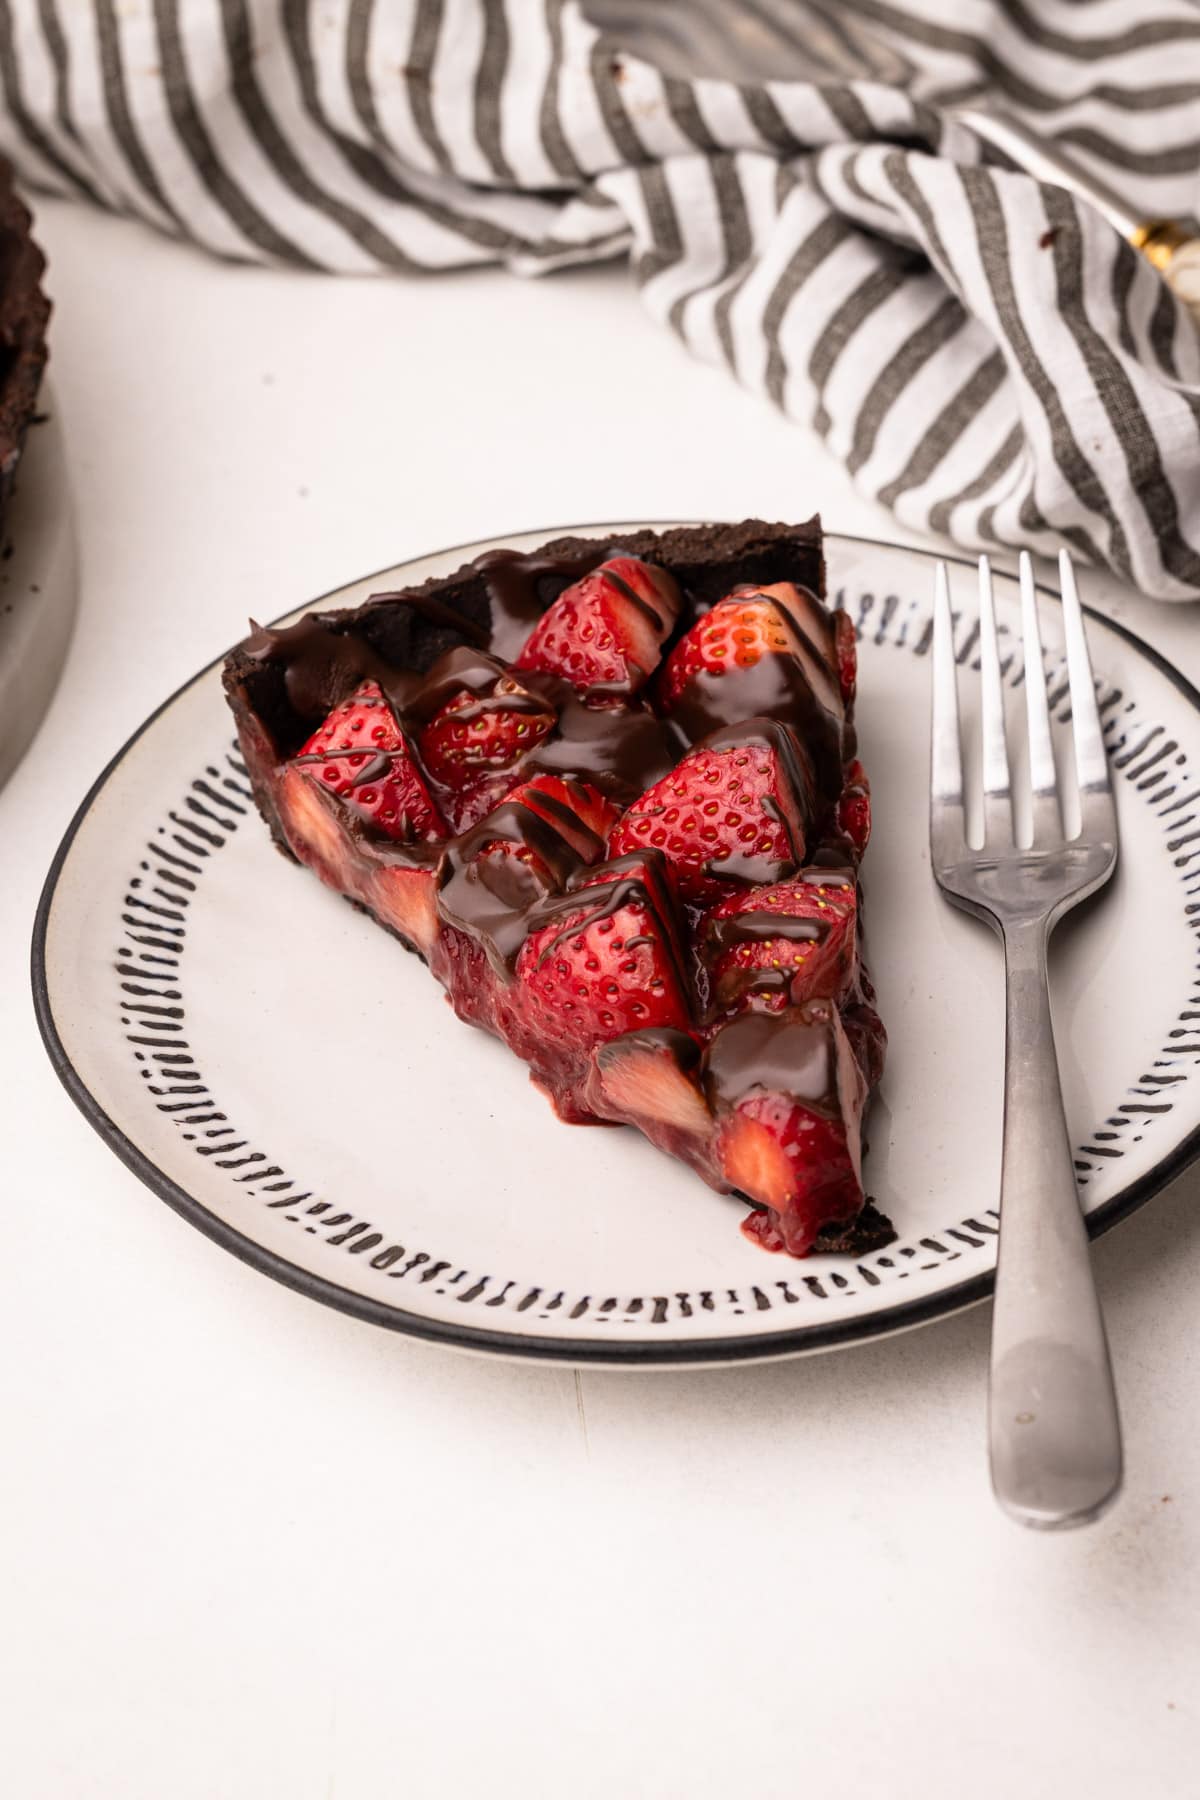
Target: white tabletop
[{"x": 250, "y": 1548}]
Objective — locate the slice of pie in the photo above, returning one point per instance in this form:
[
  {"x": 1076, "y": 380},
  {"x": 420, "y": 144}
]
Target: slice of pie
[{"x": 609, "y": 792}]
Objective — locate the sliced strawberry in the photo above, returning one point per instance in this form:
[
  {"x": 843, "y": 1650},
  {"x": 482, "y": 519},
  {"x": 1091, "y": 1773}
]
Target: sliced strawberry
[
  {"x": 604, "y": 633},
  {"x": 363, "y": 723},
  {"x": 854, "y": 807},
  {"x": 465, "y": 810},
  {"x": 580, "y": 812},
  {"x": 796, "y": 1164},
  {"x": 647, "y": 1077},
  {"x": 763, "y": 651},
  {"x": 523, "y": 853},
  {"x": 406, "y": 900},
  {"x": 731, "y": 813},
  {"x": 606, "y": 960},
  {"x": 316, "y": 828},
  {"x": 360, "y": 754},
  {"x": 312, "y": 825},
  {"x": 751, "y": 623},
  {"x": 735, "y": 635},
  {"x": 845, "y": 640},
  {"x": 653, "y": 586},
  {"x": 810, "y": 615},
  {"x": 779, "y": 946},
  {"x": 476, "y": 735},
  {"x": 791, "y": 1097}
]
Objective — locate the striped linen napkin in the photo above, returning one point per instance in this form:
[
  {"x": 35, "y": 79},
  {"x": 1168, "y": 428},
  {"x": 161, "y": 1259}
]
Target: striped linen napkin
[{"x": 983, "y": 351}]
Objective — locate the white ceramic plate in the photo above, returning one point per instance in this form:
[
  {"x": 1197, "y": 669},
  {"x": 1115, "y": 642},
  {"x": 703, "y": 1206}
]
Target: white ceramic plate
[{"x": 280, "y": 1071}]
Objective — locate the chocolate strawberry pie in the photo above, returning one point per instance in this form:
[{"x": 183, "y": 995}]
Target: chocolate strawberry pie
[{"x": 609, "y": 792}]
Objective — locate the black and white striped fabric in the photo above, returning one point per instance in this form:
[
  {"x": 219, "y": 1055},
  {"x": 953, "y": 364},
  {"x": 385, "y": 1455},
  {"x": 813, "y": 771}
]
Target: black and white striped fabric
[{"x": 985, "y": 354}]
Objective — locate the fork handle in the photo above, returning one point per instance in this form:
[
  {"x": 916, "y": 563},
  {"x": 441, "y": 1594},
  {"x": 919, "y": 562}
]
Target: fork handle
[{"x": 1054, "y": 1430}]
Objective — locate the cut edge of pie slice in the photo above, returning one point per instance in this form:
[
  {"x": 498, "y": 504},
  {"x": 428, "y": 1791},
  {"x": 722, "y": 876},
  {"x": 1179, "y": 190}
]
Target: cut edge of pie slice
[{"x": 609, "y": 791}]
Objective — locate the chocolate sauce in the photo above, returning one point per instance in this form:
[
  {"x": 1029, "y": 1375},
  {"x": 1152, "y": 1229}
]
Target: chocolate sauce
[
  {"x": 435, "y": 611},
  {"x": 829, "y": 867},
  {"x": 374, "y": 769},
  {"x": 569, "y": 824},
  {"x": 792, "y": 1053},
  {"x": 748, "y": 868},
  {"x": 466, "y": 670},
  {"x": 490, "y": 897},
  {"x": 323, "y": 661},
  {"x": 620, "y": 750},
  {"x": 320, "y": 665},
  {"x": 486, "y": 704},
  {"x": 682, "y": 1048},
  {"x": 519, "y": 589},
  {"x": 391, "y": 853},
  {"x": 723, "y": 935},
  {"x": 800, "y": 689}
]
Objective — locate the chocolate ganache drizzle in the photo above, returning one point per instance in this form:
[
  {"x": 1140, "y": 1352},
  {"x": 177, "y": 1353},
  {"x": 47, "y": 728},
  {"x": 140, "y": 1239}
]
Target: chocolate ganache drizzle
[
  {"x": 800, "y": 689},
  {"x": 793, "y": 1052}
]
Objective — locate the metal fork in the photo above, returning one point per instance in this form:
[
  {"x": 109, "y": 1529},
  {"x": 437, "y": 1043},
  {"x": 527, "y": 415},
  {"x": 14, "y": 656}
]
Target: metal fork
[{"x": 1054, "y": 1432}]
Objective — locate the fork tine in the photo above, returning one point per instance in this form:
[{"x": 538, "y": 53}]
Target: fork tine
[
  {"x": 1091, "y": 759},
  {"x": 997, "y": 792},
  {"x": 1043, "y": 776},
  {"x": 947, "y": 830}
]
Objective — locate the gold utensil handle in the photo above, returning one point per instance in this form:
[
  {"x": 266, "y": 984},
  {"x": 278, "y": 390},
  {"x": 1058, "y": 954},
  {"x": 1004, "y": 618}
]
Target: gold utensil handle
[
  {"x": 1162, "y": 241},
  {"x": 1175, "y": 255}
]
